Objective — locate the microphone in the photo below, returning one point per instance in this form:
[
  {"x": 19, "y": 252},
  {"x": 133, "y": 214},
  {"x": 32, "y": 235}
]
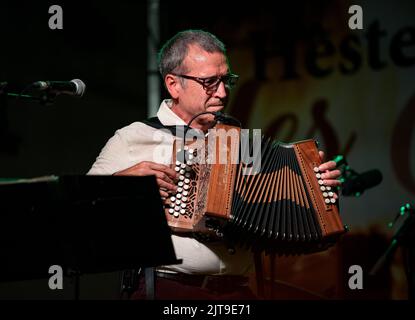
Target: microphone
[
  {"x": 74, "y": 87},
  {"x": 224, "y": 118},
  {"x": 358, "y": 183}
]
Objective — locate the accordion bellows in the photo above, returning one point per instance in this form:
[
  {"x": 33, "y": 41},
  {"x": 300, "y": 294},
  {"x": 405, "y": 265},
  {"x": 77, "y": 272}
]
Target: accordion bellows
[{"x": 281, "y": 207}]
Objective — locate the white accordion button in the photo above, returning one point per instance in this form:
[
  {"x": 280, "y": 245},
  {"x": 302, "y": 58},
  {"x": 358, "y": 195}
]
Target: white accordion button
[
  {"x": 316, "y": 169},
  {"x": 181, "y": 178},
  {"x": 178, "y": 196},
  {"x": 182, "y": 211},
  {"x": 185, "y": 193},
  {"x": 320, "y": 182},
  {"x": 184, "y": 205},
  {"x": 325, "y": 194},
  {"x": 176, "y": 214},
  {"x": 331, "y": 193},
  {"x": 179, "y": 189},
  {"x": 178, "y": 163},
  {"x": 184, "y": 199},
  {"x": 323, "y": 188},
  {"x": 328, "y": 188},
  {"x": 181, "y": 171},
  {"x": 186, "y": 187},
  {"x": 172, "y": 199},
  {"x": 176, "y": 208},
  {"x": 187, "y": 181},
  {"x": 178, "y": 202},
  {"x": 327, "y": 200},
  {"x": 183, "y": 166},
  {"x": 180, "y": 184},
  {"x": 177, "y": 169},
  {"x": 318, "y": 175},
  {"x": 332, "y": 200}
]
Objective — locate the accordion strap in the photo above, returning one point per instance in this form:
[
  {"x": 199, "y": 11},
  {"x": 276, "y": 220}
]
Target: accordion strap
[{"x": 155, "y": 122}]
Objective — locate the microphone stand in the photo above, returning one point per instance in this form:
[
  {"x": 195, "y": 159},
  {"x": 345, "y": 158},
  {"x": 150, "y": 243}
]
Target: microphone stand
[
  {"x": 404, "y": 237},
  {"x": 45, "y": 98}
]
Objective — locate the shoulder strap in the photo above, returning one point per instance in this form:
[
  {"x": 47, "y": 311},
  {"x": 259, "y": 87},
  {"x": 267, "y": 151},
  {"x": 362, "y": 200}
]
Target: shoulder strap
[{"x": 154, "y": 122}]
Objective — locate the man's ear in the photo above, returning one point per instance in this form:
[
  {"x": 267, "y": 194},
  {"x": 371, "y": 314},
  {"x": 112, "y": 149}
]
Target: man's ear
[{"x": 173, "y": 85}]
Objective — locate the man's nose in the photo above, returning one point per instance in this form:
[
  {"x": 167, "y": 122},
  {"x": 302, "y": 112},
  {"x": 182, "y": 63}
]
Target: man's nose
[{"x": 221, "y": 92}]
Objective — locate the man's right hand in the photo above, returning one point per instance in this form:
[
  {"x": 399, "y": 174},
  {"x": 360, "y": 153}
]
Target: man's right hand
[{"x": 166, "y": 177}]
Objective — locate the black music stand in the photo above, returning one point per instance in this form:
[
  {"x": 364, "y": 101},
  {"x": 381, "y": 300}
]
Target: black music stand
[{"x": 85, "y": 224}]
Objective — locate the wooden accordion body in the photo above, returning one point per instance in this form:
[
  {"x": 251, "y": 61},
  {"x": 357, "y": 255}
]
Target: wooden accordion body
[{"x": 283, "y": 206}]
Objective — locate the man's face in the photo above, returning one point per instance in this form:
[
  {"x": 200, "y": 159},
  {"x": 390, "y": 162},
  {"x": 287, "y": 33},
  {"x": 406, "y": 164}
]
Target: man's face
[{"x": 192, "y": 97}]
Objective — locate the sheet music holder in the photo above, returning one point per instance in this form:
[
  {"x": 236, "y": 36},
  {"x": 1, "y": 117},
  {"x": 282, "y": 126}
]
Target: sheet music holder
[{"x": 89, "y": 224}]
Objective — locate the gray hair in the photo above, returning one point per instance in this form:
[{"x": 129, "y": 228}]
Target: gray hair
[{"x": 174, "y": 51}]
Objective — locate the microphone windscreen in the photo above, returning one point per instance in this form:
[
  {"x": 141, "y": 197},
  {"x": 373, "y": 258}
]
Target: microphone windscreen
[
  {"x": 80, "y": 87},
  {"x": 361, "y": 182}
]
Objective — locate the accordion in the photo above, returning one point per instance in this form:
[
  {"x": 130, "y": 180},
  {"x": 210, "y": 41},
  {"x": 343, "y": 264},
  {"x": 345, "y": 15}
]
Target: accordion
[{"x": 283, "y": 204}]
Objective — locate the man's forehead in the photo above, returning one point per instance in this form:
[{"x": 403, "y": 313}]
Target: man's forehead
[{"x": 198, "y": 57}]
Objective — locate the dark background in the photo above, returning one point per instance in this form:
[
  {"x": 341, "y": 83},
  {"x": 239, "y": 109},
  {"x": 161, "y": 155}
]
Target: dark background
[{"x": 105, "y": 45}]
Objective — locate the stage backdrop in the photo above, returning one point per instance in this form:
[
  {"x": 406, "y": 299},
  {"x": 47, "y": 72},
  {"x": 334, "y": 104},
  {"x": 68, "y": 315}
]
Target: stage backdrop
[{"x": 353, "y": 90}]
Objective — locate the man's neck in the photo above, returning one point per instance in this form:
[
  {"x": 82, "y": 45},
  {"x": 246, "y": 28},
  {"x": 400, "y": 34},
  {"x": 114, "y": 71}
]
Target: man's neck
[{"x": 187, "y": 118}]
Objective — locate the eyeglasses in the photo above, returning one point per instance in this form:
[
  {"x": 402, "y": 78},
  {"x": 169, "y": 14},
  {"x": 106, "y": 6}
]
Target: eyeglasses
[{"x": 211, "y": 84}]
